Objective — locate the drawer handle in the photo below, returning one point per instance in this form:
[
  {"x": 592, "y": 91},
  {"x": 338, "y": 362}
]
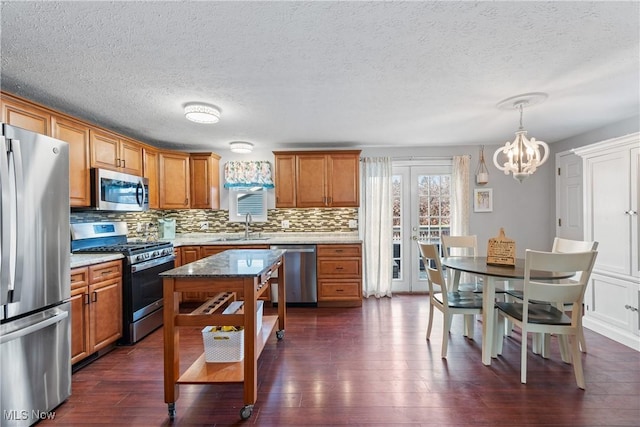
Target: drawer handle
[
  {"x": 104, "y": 273},
  {"x": 339, "y": 290},
  {"x": 339, "y": 268},
  {"x": 86, "y": 299},
  {"x": 94, "y": 296}
]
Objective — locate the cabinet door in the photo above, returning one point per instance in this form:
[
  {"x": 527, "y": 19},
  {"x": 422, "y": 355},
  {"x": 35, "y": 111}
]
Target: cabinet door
[
  {"x": 311, "y": 181},
  {"x": 174, "y": 181},
  {"x": 106, "y": 312},
  {"x": 285, "y": 180},
  {"x": 104, "y": 150},
  {"x": 79, "y": 301},
  {"x": 178, "y": 254},
  {"x": 608, "y": 201},
  {"x": 77, "y": 136},
  {"x": 25, "y": 116},
  {"x": 130, "y": 157},
  {"x": 189, "y": 254},
  {"x": 151, "y": 173},
  {"x": 205, "y": 181},
  {"x": 634, "y": 212},
  {"x": 343, "y": 176}
]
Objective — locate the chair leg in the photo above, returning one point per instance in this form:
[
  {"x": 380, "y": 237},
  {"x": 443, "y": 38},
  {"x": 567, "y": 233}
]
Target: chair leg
[
  {"x": 581, "y": 340},
  {"x": 577, "y": 362},
  {"x": 469, "y": 323},
  {"x": 498, "y": 333},
  {"x": 431, "y": 308},
  {"x": 445, "y": 334},
  {"x": 565, "y": 348},
  {"x": 523, "y": 357}
]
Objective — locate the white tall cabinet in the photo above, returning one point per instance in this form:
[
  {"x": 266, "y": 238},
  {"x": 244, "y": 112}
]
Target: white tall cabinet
[{"x": 611, "y": 193}]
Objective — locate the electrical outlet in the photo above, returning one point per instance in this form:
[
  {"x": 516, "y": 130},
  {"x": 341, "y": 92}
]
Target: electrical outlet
[
  {"x": 204, "y": 225},
  {"x": 285, "y": 223},
  {"x": 353, "y": 223},
  {"x": 139, "y": 227}
]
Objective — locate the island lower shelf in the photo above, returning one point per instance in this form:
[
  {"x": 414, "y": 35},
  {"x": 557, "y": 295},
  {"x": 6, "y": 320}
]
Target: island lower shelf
[{"x": 202, "y": 372}]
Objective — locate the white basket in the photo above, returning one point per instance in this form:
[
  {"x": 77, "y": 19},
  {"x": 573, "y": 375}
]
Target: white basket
[{"x": 223, "y": 347}]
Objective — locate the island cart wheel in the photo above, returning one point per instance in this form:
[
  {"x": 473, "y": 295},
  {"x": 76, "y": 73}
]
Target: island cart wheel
[
  {"x": 172, "y": 410},
  {"x": 246, "y": 412},
  {"x": 280, "y": 334}
]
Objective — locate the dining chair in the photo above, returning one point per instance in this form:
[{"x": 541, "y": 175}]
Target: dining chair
[
  {"x": 547, "y": 318},
  {"x": 449, "y": 303},
  {"x": 463, "y": 246},
  {"x": 562, "y": 245}
]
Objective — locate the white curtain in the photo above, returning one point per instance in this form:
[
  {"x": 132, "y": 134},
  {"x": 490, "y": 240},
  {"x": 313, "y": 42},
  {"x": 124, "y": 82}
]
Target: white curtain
[
  {"x": 376, "y": 226},
  {"x": 460, "y": 196}
]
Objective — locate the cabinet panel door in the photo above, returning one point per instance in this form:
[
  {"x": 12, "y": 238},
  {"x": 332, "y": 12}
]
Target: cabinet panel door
[
  {"x": 79, "y": 324},
  {"x": 106, "y": 312},
  {"x": 311, "y": 181},
  {"x": 635, "y": 207},
  {"x": 189, "y": 254},
  {"x": 174, "y": 181},
  {"x": 205, "y": 181},
  {"x": 343, "y": 180},
  {"x": 25, "y": 116},
  {"x": 151, "y": 172},
  {"x": 77, "y": 136},
  {"x": 104, "y": 150},
  {"x": 285, "y": 175},
  {"x": 131, "y": 157},
  {"x": 608, "y": 200}
]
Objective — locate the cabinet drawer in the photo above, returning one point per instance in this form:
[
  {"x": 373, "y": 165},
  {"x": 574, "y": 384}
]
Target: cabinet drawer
[
  {"x": 338, "y": 289},
  {"x": 79, "y": 277},
  {"x": 333, "y": 267},
  {"x": 105, "y": 271},
  {"x": 338, "y": 250}
]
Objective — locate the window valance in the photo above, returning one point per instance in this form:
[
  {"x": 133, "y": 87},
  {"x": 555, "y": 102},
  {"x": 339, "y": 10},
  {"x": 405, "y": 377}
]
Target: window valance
[{"x": 248, "y": 174}]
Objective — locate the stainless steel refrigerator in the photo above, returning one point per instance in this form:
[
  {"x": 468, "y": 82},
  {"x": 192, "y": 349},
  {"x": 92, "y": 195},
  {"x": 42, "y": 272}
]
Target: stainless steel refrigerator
[{"x": 35, "y": 342}]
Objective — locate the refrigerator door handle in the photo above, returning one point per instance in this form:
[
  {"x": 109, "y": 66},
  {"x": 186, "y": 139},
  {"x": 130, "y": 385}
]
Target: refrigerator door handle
[
  {"x": 20, "y": 223},
  {"x": 58, "y": 317},
  {"x": 5, "y": 224}
]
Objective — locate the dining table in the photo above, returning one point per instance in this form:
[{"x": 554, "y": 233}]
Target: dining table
[{"x": 491, "y": 274}]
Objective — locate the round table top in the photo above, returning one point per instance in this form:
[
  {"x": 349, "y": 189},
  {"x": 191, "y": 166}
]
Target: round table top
[{"x": 478, "y": 265}]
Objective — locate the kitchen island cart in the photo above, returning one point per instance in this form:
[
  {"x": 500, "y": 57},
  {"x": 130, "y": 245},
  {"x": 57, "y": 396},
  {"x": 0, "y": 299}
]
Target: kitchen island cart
[{"x": 243, "y": 274}]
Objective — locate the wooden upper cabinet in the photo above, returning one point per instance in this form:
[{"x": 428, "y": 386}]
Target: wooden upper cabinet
[
  {"x": 76, "y": 134},
  {"x": 25, "y": 116},
  {"x": 205, "y": 180},
  {"x": 317, "y": 179},
  {"x": 311, "y": 181},
  {"x": 343, "y": 180},
  {"x": 285, "y": 180},
  {"x": 131, "y": 157},
  {"x": 151, "y": 172},
  {"x": 109, "y": 151},
  {"x": 174, "y": 180}
]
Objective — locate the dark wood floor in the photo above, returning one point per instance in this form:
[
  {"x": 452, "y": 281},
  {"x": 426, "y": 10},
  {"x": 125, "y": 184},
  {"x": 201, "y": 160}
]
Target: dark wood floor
[{"x": 369, "y": 366}]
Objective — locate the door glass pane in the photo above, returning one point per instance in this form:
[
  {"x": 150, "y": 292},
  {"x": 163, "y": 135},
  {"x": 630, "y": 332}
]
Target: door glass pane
[
  {"x": 396, "y": 195},
  {"x": 434, "y": 195}
]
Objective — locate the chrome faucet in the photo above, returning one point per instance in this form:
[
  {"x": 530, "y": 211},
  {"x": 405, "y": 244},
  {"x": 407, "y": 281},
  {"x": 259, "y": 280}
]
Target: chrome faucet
[{"x": 247, "y": 222}]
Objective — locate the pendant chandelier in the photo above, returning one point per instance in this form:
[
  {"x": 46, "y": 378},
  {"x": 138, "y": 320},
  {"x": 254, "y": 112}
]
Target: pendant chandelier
[{"x": 522, "y": 156}]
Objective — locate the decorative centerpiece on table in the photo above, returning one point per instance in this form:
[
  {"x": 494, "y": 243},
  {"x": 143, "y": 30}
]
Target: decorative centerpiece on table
[{"x": 501, "y": 250}]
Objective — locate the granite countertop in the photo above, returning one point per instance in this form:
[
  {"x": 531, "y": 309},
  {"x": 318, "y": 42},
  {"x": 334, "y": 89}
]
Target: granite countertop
[
  {"x": 263, "y": 239},
  {"x": 82, "y": 260},
  {"x": 232, "y": 263}
]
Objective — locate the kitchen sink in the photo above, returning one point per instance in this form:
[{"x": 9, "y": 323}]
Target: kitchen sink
[{"x": 241, "y": 239}]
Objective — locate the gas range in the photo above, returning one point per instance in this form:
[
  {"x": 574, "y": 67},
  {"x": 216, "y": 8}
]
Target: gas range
[{"x": 142, "y": 290}]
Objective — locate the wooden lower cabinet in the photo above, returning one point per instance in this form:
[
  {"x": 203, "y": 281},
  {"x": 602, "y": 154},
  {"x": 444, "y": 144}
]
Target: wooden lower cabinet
[
  {"x": 96, "y": 308},
  {"x": 339, "y": 275}
]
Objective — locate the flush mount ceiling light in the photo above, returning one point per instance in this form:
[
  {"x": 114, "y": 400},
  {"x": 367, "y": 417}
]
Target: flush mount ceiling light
[
  {"x": 522, "y": 156},
  {"x": 202, "y": 113},
  {"x": 241, "y": 147}
]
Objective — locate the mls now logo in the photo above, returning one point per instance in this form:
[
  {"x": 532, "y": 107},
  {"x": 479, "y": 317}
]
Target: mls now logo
[{"x": 35, "y": 414}]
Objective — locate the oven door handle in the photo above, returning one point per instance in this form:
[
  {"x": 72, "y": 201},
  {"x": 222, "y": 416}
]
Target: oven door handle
[{"x": 151, "y": 263}]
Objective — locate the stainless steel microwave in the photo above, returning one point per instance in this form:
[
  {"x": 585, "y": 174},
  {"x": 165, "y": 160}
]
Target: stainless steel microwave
[{"x": 117, "y": 191}]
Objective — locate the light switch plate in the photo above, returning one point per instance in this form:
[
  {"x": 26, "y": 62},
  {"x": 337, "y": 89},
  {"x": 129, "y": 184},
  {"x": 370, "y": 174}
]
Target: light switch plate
[
  {"x": 285, "y": 223},
  {"x": 353, "y": 223}
]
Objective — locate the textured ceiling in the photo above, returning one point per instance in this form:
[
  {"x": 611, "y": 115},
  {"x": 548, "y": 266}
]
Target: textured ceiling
[{"x": 335, "y": 74}]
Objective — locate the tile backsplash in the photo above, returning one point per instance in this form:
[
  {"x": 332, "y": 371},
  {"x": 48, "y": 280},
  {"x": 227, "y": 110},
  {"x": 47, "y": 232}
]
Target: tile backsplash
[{"x": 189, "y": 220}]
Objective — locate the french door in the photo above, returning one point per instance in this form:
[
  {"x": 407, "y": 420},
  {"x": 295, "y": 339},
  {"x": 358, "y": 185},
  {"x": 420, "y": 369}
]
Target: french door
[{"x": 421, "y": 212}]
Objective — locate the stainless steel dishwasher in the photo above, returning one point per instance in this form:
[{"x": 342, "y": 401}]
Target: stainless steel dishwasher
[{"x": 300, "y": 275}]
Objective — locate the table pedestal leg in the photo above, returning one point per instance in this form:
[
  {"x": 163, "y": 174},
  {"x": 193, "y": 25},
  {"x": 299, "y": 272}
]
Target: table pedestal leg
[{"x": 488, "y": 326}]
